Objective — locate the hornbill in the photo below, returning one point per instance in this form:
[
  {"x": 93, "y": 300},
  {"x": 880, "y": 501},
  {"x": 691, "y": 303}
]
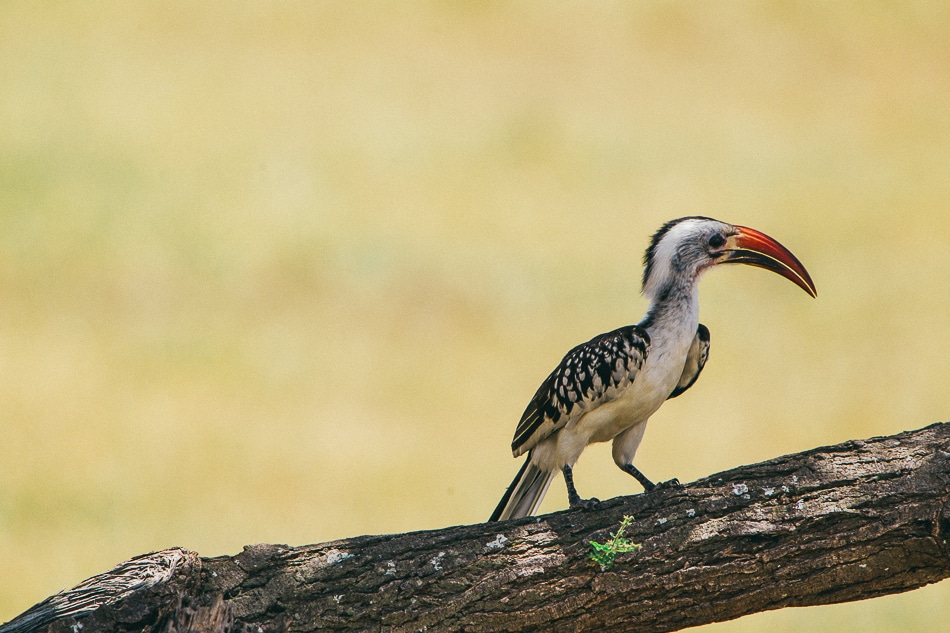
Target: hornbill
[{"x": 607, "y": 388}]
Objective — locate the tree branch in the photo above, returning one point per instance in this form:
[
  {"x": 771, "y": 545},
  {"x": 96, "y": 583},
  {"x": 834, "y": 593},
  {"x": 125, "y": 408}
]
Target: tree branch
[{"x": 834, "y": 524}]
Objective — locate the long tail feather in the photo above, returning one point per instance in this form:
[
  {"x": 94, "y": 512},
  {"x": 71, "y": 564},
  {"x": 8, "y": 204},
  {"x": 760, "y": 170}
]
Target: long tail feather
[{"x": 525, "y": 493}]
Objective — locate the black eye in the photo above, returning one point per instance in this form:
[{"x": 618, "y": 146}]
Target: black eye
[{"x": 716, "y": 240}]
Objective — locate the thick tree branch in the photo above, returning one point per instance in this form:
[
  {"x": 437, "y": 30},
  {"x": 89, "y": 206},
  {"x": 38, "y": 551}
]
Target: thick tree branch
[{"x": 846, "y": 522}]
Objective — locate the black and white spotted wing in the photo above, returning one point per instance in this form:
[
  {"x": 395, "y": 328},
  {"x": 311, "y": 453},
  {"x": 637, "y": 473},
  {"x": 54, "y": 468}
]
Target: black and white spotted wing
[
  {"x": 695, "y": 361},
  {"x": 588, "y": 376}
]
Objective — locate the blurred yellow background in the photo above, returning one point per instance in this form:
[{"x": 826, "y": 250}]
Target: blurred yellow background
[{"x": 290, "y": 273}]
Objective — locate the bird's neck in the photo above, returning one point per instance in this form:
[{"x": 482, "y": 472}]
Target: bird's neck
[{"x": 674, "y": 310}]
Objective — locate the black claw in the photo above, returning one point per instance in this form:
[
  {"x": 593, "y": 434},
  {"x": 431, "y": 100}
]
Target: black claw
[
  {"x": 573, "y": 498},
  {"x": 672, "y": 483},
  {"x": 584, "y": 504}
]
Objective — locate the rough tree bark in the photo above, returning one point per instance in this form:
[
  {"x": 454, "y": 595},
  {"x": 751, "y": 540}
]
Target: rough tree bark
[{"x": 834, "y": 524}]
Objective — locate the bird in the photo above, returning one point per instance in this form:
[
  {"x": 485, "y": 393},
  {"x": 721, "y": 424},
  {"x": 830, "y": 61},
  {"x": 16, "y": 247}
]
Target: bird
[{"x": 607, "y": 388}]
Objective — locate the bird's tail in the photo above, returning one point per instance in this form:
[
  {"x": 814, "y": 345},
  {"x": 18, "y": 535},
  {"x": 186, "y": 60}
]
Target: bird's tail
[{"x": 525, "y": 493}]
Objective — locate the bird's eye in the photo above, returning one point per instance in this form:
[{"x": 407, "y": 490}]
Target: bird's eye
[{"x": 716, "y": 240}]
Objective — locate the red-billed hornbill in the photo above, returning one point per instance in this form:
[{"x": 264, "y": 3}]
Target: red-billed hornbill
[{"x": 607, "y": 388}]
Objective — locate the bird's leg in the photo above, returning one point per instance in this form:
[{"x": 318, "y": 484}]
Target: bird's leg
[
  {"x": 573, "y": 498},
  {"x": 646, "y": 483},
  {"x": 633, "y": 470}
]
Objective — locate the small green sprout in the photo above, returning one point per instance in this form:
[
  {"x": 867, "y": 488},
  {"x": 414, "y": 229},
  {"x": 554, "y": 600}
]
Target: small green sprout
[{"x": 604, "y": 553}]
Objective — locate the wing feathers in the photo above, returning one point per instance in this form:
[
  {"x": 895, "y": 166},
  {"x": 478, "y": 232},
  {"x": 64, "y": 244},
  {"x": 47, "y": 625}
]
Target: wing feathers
[{"x": 589, "y": 375}]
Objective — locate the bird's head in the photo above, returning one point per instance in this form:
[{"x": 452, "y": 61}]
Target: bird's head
[{"x": 682, "y": 249}]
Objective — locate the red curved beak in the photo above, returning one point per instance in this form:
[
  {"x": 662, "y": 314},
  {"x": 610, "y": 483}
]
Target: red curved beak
[{"x": 755, "y": 248}]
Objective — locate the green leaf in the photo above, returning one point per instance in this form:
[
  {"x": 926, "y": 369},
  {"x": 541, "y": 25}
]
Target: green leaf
[{"x": 604, "y": 553}]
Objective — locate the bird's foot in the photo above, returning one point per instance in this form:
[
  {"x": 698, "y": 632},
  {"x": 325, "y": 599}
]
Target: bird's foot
[
  {"x": 584, "y": 504},
  {"x": 573, "y": 498},
  {"x": 672, "y": 483}
]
